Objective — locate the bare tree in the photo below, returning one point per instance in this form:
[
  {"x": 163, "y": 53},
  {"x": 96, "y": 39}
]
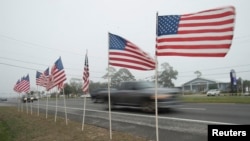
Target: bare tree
[{"x": 198, "y": 74}]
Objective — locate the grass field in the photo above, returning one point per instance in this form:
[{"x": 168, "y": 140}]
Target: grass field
[
  {"x": 216, "y": 99},
  {"x": 20, "y": 126}
]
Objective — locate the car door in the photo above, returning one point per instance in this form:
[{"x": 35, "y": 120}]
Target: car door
[{"x": 132, "y": 95}]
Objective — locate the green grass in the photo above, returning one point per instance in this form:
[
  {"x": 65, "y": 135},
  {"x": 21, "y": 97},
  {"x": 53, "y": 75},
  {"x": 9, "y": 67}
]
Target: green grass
[
  {"x": 216, "y": 99},
  {"x": 20, "y": 126}
]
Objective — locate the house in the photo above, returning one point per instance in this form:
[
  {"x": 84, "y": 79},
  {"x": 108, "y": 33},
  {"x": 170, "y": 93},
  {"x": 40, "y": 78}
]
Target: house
[{"x": 201, "y": 85}]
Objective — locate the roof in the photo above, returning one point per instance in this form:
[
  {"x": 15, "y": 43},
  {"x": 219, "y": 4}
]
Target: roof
[{"x": 204, "y": 80}]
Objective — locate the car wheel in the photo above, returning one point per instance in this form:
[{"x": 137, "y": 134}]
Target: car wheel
[
  {"x": 148, "y": 107},
  {"x": 94, "y": 100},
  {"x": 106, "y": 105}
]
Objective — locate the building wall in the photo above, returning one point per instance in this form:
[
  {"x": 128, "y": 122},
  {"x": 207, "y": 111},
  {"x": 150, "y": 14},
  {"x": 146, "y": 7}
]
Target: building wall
[{"x": 200, "y": 85}]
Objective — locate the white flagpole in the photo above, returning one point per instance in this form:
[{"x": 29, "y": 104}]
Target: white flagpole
[
  {"x": 156, "y": 85},
  {"x": 110, "y": 124},
  {"x": 38, "y": 100},
  {"x": 22, "y": 105},
  {"x": 84, "y": 102},
  {"x": 18, "y": 102},
  {"x": 56, "y": 107},
  {"x": 47, "y": 105},
  {"x": 27, "y": 109},
  {"x": 31, "y": 103},
  {"x": 83, "y": 116},
  {"x": 66, "y": 119}
]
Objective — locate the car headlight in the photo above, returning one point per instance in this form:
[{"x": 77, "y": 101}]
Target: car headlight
[{"x": 160, "y": 96}]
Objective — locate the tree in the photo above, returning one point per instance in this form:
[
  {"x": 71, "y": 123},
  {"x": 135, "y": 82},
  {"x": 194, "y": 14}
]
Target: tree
[
  {"x": 67, "y": 89},
  {"x": 76, "y": 87},
  {"x": 198, "y": 73},
  {"x": 122, "y": 74},
  {"x": 96, "y": 85},
  {"x": 111, "y": 72},
  {"x": 166, "y": 75}
]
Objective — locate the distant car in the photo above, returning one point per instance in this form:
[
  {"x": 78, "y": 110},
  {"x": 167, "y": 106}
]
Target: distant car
[
  {"x": 246, "y": 94},
  {"x": 213, "y": 92},
  {"x": 27, "y": 98},
  {"x": 3, "y": 99},
  {"x": 35, "y": 97}
]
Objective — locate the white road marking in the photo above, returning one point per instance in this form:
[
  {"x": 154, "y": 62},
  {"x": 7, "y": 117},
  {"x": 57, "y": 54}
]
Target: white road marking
[{"x": 200, "y": 109}]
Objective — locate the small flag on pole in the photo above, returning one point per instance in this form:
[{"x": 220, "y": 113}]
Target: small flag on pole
[
  {"x": 85, "y": 87},
  {"x": 38, "y": 78},
  {"x": 203, "y": 34},
  {"x": 45, "y": 76},
  {"x": 57, "y": 76},
  {"x": 123, "y": 53},
  {"x": 25, "y": 84},
  {"x": 16, "y": 87}
]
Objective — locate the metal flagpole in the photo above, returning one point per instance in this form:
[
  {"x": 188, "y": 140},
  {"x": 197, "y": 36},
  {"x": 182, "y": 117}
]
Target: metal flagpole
[
  {"x": 18, "y": 102},
  {"x": 47, "y": 105},
  {"x": 66, "y": 119},
  {"x": 38, "y": 103},
  {"x": 31, "y": 103},
  {"x": 110, "y": 125},
  {"x": 27, "y": 109},
  {"x": 56, "y": 108},
  {"x": 84, "y": 92},
  {"x": 156, "y": 85},
  {"x": 22, "y": 106},
  {"x": 83, "y": 116}
]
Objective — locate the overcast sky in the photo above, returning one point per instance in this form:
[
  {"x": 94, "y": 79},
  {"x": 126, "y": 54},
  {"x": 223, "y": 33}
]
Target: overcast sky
[{"x": 35, "y": 33}]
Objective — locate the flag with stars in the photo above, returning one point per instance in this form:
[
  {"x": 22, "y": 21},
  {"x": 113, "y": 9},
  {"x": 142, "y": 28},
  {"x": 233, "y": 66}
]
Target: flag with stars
[
  {"x": 44, "y": 78},
  {"x": 16, "y": 87},
  {"x": 57, "y": 76},
  {"x": 85, "y": 87},
  {"x": 203, "y": 34},
  {"x": 123, "y": 53},
  {"x": 25, "y": 84},
  {"x": 39, "y": 78}
]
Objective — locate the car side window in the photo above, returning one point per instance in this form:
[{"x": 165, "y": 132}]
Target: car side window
[{"x": 130, "y": 86}]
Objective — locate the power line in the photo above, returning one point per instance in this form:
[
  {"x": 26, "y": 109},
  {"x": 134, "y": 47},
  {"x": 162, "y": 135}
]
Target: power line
[{"x": 38, "y": 70}]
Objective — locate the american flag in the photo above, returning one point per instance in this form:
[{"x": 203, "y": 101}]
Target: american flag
[
  {"x": 24, "y": 85},
  {"x": 203, "y": 34},
  {"x": 39, "y": 78},
  {"x": 16, "y": 86},
  {"x": 123, "y": 53},
  {"x": 57, "y": 76},
  {"x": 45, "y": 77},
  {"x": 85, "y": 87}
]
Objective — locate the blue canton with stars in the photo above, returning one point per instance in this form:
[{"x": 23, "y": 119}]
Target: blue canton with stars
[
  {"x": 168, "y": 24},
  {"x": 59, "y": 64},
  {"x": 116, "y": 42}
]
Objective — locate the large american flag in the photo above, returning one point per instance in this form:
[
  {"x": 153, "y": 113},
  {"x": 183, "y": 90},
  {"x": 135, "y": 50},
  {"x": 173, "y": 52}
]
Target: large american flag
[
  {"x": 85, "y": 87},
  {"x": 203, "y": 34},
  {"x": 57, "y": 76},
  {"x": 123, "y": 53},
  {"x": 39, "y": 78}
]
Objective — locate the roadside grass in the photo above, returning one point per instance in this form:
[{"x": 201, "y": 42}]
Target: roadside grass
[
  {"x": 20, "y": 126},
  {"x": 216, "y": 99}
]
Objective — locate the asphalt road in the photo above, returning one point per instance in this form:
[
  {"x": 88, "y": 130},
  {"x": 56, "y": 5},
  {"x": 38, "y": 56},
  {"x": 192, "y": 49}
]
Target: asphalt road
[{"x": 186, "y": 123}]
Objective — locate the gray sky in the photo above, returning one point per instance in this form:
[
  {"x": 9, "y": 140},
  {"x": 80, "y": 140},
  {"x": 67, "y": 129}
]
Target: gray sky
[{"x": 35, "y": 33}]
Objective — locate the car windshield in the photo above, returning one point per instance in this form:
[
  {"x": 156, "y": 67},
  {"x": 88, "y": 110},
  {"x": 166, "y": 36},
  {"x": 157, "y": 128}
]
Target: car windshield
[{"x": 143, "y": 85}]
